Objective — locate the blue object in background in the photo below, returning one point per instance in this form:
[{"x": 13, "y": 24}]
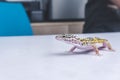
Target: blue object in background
[{"x": 14, "y": 20}]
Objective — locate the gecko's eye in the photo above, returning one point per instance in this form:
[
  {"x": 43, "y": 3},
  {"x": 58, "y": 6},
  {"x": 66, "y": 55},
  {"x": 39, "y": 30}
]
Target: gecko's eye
[{"x": 64, "y": 36}]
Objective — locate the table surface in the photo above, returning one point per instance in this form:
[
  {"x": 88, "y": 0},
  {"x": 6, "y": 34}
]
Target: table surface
[{"x": 45, "y": 58}]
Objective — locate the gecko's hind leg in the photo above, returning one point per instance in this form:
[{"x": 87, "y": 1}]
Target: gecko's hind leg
[{"x": 108, "y": 45}]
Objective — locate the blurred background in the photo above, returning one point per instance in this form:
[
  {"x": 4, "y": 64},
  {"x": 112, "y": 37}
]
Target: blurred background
[
  {"x": 53, "y": 10},
  {"x": 55, "y": 16}
]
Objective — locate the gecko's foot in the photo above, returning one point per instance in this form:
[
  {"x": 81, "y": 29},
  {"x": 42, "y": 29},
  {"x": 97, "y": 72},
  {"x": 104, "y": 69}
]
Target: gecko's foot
[
  {"x": 99, "y": 54},
  {"x": 112, "y": 50}
]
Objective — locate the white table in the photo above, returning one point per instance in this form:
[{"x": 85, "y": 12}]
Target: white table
[{"x": 45, "y": 58}]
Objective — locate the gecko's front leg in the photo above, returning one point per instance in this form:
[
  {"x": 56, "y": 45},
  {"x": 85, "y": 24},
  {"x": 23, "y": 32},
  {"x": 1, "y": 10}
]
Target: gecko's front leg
[{"x": 72, "y": 49}]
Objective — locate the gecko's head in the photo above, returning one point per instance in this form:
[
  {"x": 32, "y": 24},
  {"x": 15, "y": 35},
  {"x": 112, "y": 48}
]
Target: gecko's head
[{"x": 64, "y": 36}]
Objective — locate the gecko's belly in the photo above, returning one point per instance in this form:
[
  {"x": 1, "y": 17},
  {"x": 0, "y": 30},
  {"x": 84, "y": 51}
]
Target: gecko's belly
[{"x": 87, "y": 46}]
